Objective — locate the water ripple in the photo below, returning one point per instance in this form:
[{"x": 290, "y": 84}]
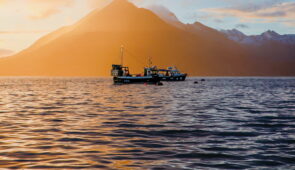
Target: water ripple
[{"x": 75, "y": 123}]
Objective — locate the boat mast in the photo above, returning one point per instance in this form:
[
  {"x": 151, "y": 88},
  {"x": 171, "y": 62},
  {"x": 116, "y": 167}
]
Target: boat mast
[
  {"x": 122, "y": 54},
  {"x": 150, "y": 62}
]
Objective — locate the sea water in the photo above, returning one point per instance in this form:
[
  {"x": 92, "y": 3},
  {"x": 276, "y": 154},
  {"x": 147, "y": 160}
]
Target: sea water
[{"x": 91, "y": 123}]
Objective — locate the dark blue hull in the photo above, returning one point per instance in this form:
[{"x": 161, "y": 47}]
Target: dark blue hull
[
  {"x": 174, "y": 78},
  {"x": 131, "y": 80}
]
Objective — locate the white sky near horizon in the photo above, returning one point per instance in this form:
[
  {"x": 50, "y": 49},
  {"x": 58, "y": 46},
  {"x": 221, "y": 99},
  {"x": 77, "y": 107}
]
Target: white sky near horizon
[{"x": 22, "y": 22}]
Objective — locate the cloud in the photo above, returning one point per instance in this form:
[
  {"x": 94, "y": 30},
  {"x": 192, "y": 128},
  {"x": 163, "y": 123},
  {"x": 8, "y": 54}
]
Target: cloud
[
  {"x": 23, "y": 31},
  {"x": 98, "y": 3},
  {"x": 252, "y": 5},
  {"x": 5, "y": 52},
  {"x": 218, "y": 20},
  {"x": 283, "y": 12},
  {"x": 2, "y": 1},
  {"x": 290, "y": 24},
  {"x": 40, "y": 9},
  {"x": 243, "y": 26}
]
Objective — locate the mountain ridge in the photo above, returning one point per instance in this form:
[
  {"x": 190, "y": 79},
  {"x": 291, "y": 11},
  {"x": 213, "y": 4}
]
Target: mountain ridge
[
  {"x": 90, "y": 46},
  {"x": 268, "y": 35}
]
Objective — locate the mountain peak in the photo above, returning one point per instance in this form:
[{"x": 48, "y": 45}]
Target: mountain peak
[
  {"x": 234, "y": 32},
  {"x": 120, "y": 15},
  {"x": 237, "y": 31},
  {"x": 120, "y": 2},
  {"x": 270, "y": 34},
  {"x": 164, "y": 13}
]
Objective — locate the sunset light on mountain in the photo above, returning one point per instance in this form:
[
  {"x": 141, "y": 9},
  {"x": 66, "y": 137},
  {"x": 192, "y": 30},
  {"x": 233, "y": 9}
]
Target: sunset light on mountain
[
  {"x": 147, "y": 84},
  {"x": 59, "y": 38},
  {"x": 32, "y": 19}
]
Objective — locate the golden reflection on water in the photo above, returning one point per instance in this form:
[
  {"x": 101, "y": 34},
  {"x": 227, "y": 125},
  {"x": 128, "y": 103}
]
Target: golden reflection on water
[
  {"x": 89, "y": 123},
  {"x": 74, "y": 122}
]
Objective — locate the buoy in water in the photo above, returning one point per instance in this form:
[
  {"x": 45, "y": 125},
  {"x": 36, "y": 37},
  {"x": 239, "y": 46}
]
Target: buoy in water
[
  {"x": 159, "y": 84},
  {"x": 196, "y": 82}
]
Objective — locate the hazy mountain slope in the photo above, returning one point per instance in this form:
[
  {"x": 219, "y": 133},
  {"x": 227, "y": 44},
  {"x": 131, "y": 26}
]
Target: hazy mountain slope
[
  {"x": 90, "y": 46},
  {"x": 270, "y": 49},
  {"x": 265, "y": 37},
  {"x": 270, "y": 53}
]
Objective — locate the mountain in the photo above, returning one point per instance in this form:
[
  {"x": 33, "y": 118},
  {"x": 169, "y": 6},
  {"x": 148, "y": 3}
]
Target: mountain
[
  {"x": 166, "y": 15},
  {"x": 268, "y": 48},
  {"x": 269, "y": 54},
  {"x": 195, "y": 28},
  {"x": 265, "y": 37},
  {"x": 237, "y": 36},
  {"x": 90, "y": 46}
]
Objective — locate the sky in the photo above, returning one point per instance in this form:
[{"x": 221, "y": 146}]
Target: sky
[{"x": 22, "y": 22}]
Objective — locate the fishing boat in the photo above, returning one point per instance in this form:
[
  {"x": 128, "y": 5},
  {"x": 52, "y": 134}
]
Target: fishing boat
[
  {"x": 121, "y": 74},
  {"x": 172, "y": 74}
]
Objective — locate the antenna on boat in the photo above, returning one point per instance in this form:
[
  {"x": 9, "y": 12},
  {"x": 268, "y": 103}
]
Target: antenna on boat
[
  {"x": 122, "y": 54},
  {"x": 150, "y": 62}
]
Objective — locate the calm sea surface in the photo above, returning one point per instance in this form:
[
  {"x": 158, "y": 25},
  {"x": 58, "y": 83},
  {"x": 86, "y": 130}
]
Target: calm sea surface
[{"x": 90, "y": 123}]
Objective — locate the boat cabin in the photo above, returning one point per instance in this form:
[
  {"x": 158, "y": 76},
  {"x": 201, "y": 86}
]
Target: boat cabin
[
  {"x": 119, "y": 70},
  {"x": 150, "y": 71},
  {"x": 170, "y": 71},
  {"x": 172, "y": 74}
]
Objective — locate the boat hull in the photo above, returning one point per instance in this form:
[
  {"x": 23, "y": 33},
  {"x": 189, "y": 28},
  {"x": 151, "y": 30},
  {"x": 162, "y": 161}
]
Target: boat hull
[
  {"x": 174, "y": 78},
  {"x": 132, "y": 80}
]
